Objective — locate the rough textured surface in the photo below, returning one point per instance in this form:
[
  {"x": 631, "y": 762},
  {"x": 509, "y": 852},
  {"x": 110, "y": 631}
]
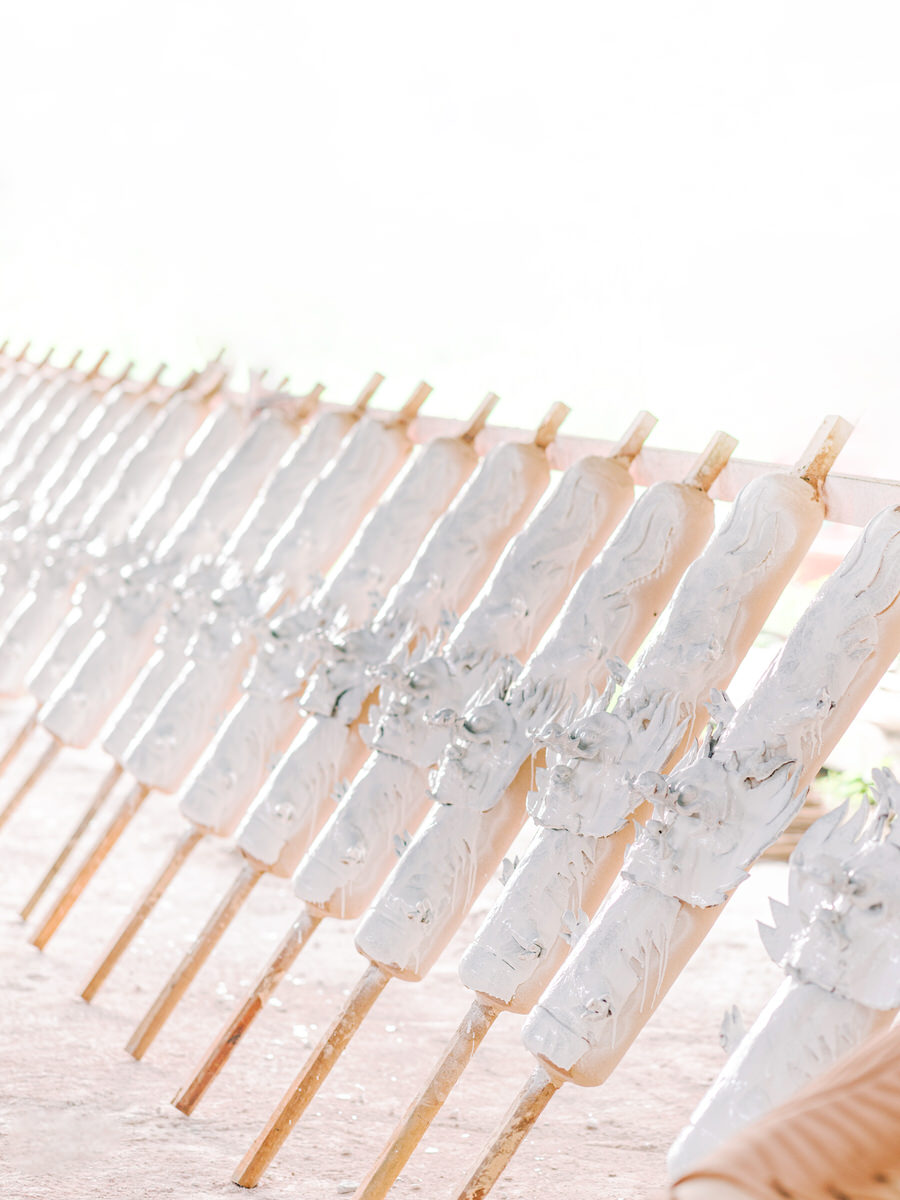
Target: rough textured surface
[{"x": 78, "y": 1117}]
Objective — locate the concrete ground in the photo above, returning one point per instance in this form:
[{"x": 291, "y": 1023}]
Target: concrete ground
[{"x": 80, "y": 1119}]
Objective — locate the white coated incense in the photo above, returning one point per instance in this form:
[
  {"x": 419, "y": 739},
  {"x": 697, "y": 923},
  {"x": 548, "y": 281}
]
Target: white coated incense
[{"x": 838, "y": 941}]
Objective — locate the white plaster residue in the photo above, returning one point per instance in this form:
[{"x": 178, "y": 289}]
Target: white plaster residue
[
  {"x": 218, "y": 434},
  {"x": 145, "y": 694},
  {"x": 418, "y": 700},
  {"x": 237, "y": 762},
  {"x": 224, "y": 496},
  {"x": 840, "y": 928},
  {"x": 735, "y": 793},
  {"x": 293, "y": 802},
  {"x": 74, "y": 500},
  {"x": 717, "y": 609},
  {"x": 800, "y": 1033},
  {"x": 463, "y": 547},
  {"x": 318, "y": 442},
  {"x": 541, "y": 564},
  {"x": 391, "y": 535},
  {"x": 348, "y": 861},
  {"x": 433, "y": 885},
  {"x": 510, "y": 613},
  {"x": 838, "y": 940},
  {"x": 461, "y": 841},
  {"x": 328, "y": 513},
  {"x": 444, "y": 576},
  {"x": 497, "y": 731},
  {"x": 623, "y": 958},
  {"x": 99, "y": 425},
  {"x": 139, "y": 471},
  {"x": 118, "y": 648},
  {"x": 169, "y": 743},
  {"x": 28, "y": 627},
  {"x": 543, "y": 902}
]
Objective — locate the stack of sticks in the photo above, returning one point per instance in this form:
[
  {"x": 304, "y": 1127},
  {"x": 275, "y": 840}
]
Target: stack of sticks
[{"x": 370, "y": 647}]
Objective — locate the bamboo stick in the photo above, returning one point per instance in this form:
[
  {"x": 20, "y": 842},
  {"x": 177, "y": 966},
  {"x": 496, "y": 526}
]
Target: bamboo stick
[
  {"x": 528, "y": 1106},
  {"x": 91, "y": 864},
  {"x": 315, "y": 1072},
  {"x": 180, "y": 980},
  {"x": 138, "y": 916},
  {"x": 276, "y": 968},
  {"x": 59, "y": 862},
  {"x": 18, "y": 742},
  {"x": 42, "y": 764},
  {"x": 469, "y": 1036}
]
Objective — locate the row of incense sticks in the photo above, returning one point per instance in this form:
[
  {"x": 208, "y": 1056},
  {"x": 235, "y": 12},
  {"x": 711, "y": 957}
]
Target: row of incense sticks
[{"x": 247, "y": 598}]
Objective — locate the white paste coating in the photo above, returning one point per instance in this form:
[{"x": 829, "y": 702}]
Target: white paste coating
[
  {"x": 716, "y": 612},
  {"x": 838, "y": 940},
  {"x": 150, "y": 685},
  {"x": 433, "y": 886},
  {"x": 509, "y": 615},
  {"x": 720, "y": 809},
  {"x": 228, "y": 491},
  {"x": 479, "y": 782},
  {"x": 366, "y": 462},
  {"x": 37, "y": 421},
  {"x": 733, "y": 796},
  {"x": 27, "y": 629},
  {"x": 62, "y": 429},
  {"x": 800, "y": 1033},
  {"x": 316, "y": 446},
  {"x": 237, "y": 763},
  {"x": 543, "y": 910},
  {"x": 69, "y": 507},
  {"x": 100, "y": 424},
  {"x": 247, "y": 746},
  {"x": 444, "y": 576},
  {"x": 329, "y": 511},
  {"x": 624, "y": 590},
  {"x": 347, "y": 863},
  {"x": 452, "y": 564},
  {"x": 172, "y": 738},
  {"x": 392, "y": 534},
  {"x": 139, "y": 471},
  {"x": 220, "y": 432},
  {"x": 118, "y": 648},
  {"x": 299, "y": 793}
]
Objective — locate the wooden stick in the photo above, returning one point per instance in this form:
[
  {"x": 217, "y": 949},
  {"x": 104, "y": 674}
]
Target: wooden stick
[
  {"x": 427, "y": 1104},
  {"x": 109, "y": 782},
  {"x": 414, "y": 403},
  {"x": 141, "y": 912},
  {"x": 631, "y": 443},
  {"x": 549, "y": 426},
  {"x": 24, "y": 788},
  {"x": 528, "y": 1106},
  {"x": 21, "y": 356},
  {"x": 362, "y": 400},
  {"x": 710, "y": 463},
  {"x": 827, "y": 442},
  {"x": 480, "y": 417},
  {"x": 295, "y": 1100},
  {"x": 95, "y": 369},
  {"x": 251, "y": 1006},
  {"x": 91, "y": 864},
  {"x": 20, "y": 739},
  {"x": 179, "y": 982}
]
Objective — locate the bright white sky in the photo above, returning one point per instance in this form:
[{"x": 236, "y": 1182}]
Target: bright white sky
[{"x": 690, "y": 207}]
